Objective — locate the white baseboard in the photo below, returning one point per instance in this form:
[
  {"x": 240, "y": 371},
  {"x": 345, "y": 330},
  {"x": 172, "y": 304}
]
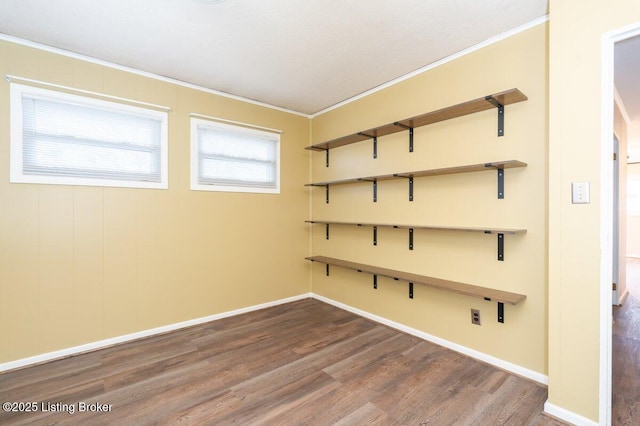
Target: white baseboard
[
  {"x": 549, "y": 408},
  {"x": 567, "y": 416},
  {"x": 497, "y": 362},
  {"x": 63, "y": 353},
  {"x": 50, "y": 356}
]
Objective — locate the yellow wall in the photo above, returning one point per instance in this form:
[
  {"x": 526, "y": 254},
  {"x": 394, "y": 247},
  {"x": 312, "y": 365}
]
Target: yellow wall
[
  {"x": 457, "y": 200},
  {"x": 81, "y": 264},
  {"x": 575, "y": 101}
]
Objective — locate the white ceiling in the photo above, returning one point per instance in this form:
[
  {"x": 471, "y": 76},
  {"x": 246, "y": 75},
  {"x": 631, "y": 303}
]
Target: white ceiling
[{"x": 300, "y": 55}]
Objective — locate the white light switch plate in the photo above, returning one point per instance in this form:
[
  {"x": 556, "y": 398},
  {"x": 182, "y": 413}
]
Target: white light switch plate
[{"x": 580, "y": 193}]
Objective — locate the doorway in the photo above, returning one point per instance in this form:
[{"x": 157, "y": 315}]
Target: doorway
[{"x": 612, "y": 239}]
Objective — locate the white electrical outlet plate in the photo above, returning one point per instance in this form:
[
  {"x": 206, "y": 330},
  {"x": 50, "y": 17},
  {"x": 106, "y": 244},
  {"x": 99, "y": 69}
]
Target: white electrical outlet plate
[{"x": 580, "y": 193}]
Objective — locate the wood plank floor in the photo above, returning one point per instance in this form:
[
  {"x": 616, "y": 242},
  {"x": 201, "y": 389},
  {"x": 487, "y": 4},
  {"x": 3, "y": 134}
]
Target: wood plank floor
[
  {"x": 625, "y": 396},
  {"x": 302, "y": 363}
]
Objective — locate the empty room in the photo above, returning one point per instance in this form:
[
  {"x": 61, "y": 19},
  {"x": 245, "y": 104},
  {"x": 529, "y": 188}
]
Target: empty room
[{"x": 304, "y": 212}]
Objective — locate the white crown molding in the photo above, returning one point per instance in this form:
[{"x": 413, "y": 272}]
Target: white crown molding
[
  {"x": 436, "y": 64},
  {"x": 104, "y": 63}
]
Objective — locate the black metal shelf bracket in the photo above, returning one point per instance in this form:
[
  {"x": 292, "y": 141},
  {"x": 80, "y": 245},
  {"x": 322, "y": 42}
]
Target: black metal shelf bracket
[
  {"x": 500, "y": 184},
  {"x": 327, "y": 269},
  {"x": 375, "y": 190},
  {"x": 375, "y": 235},
  {"x": 500, "y": 107},
  {"x": 501, "y": 247},
  {"x": 327, "y": 192},
  {"x": 375, "y": 143},
  {"x": 410, "y": 290},
  {"x": 410, "y": 179},
  {"x": 410, "y": 238},
  {"x": 500, "y": 171},
  {"x": 327, "y": 230},
  {"x": 375, "y": 187},
  {"x": 375, "y": 282},
  {"x": 375, "y": 147},
  {"x": 326, "y": 157},
  {"x": 411, "y": 188},
  {"x": 410, "y": 133},
  {"x": 501, "y": 312}
]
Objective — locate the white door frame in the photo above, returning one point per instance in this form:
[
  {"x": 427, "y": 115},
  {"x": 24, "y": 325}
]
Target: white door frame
[
  {"x": 615, "y": 236},
  {"x": 606, "y": 213}
]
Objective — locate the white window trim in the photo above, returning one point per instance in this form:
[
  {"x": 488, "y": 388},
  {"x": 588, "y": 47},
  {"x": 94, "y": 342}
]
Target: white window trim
[
  {"x": 16, "y": 154},
  {"x": 196, "y": 120}
]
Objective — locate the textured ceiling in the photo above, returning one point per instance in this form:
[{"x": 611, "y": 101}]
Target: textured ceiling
[{"x": 304, "y": 56}]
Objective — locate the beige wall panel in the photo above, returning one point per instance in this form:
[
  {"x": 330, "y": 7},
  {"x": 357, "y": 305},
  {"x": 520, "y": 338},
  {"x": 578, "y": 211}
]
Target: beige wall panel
[
  {"x": 86, "y": 74},
  {"x": 158, "y": 242},
  {"x": 137, "y": 87},
  {"x": 122, "y": 296},
  {"x": 88, "y": 259},
  {"x": 24, "y": 63},
  {"x": 455, "y": 200},
  {"x": 104, "y": 262},
  {"x": 55, "y": 263},
  {"x": 53, "y": 67},
  {"x": 19, "y": 297},
  {"x": 19, "y": 279}
]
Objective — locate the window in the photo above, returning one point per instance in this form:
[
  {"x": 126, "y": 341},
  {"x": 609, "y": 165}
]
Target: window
[
  {"x": 234, "y": 158},
  {"x": 59, "y": 138}
]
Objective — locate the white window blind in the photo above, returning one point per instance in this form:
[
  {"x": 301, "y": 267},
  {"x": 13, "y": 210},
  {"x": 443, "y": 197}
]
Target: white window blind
[
  {"x": 228, "y": 157},
  {"x": 69, "y": 139}
]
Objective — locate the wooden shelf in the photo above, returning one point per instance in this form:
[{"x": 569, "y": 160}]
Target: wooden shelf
[
  {"x": 510, "y": 231},
  {"x": 496, "y": 165},
  {"x": 485, "y": 293},
  {"x": 507, "y": 164},
  {"x": 496, "y": 100},
  {"x": 500, "y": 232}
]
